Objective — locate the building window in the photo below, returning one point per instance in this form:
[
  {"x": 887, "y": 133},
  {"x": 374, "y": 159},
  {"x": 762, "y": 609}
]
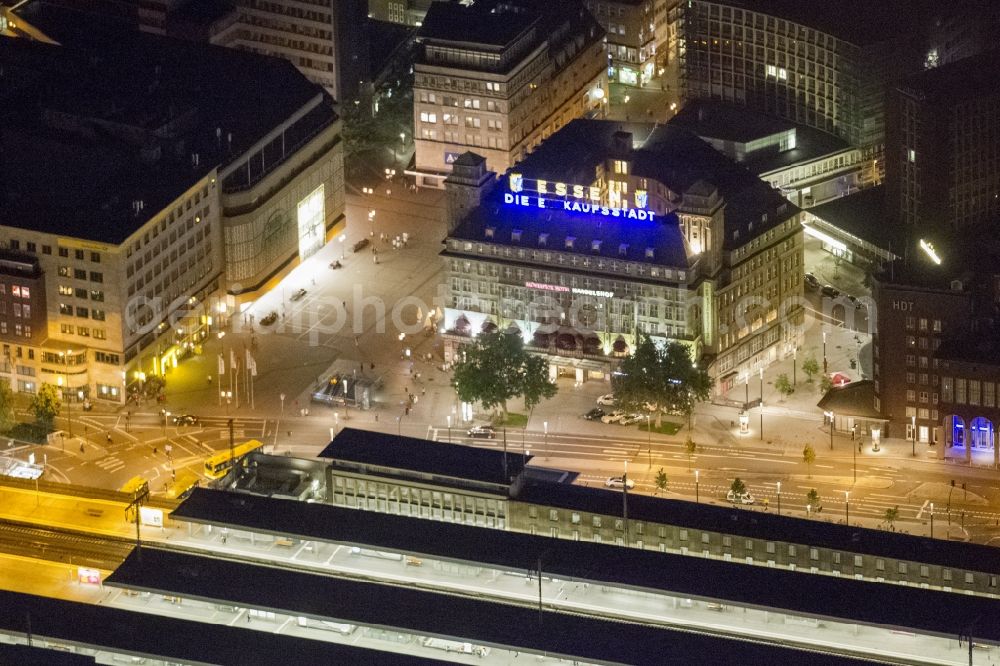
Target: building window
[
  {"x": 901, "y": 567},
  {"x": 879, "y": 564},
  {"x": 553, "y": 514}
]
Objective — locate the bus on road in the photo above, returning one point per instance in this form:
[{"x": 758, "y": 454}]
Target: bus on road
[
  {"x": 217, "y": 466},
  {"x": 133, "y": 485}
]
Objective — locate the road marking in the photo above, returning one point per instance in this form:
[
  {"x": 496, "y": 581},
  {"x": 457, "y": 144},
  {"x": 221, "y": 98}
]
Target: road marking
[{"x": 922, "y": 507}]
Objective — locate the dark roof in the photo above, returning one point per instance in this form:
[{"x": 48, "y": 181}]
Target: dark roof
[
  {"x": 175, "y": 639},
  {"x": 980, "y": 346},
  {"x": 687, "y": 575},
  {"x": 662, "y": 234},
  {"x": 82, "y": 115},
  {"x": 23, "y": 655},
  {"x": 859, "y": 22},
  {"x": 443, "y": 461},
  {"x": 430, "y": 613},
  {"x": 728, "y": 122},
  {"x": 970, "y": 254},
  {"x": 202, "y": 12},
  {"x": 671, "y": 155},
  {"x": 852, "y": 399},
  {"x": 475, "y": 24},
  {"x": 958, "y": 81},
  {"x": 862, "y": 214}
]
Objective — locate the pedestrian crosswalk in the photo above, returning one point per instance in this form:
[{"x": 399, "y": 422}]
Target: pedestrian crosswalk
[{"x": 110, "y": 464}]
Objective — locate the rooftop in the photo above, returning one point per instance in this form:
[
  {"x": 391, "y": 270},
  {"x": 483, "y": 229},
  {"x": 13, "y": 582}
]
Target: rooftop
[
  {"x": 442, "y": 461},
  {"x": 107, "y": 120},
  {"x": 759, "y": 586},
  {"x": 862, "y": 214},
  {"x": 958, "y": 81},
  {"x": 475, "y": 24},
  {"x": 852, "y": 399}
]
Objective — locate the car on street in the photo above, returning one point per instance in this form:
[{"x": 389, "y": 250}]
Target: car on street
[
  {"x": 619, "y": 482},
  {"x": 613, "y": 417},
  {"x": 299, "y": 295},
  {"x": 629, "y": 419},
  {"x": 595, "y": 414},
  {"x": 186, "y": 420},
  {"x": 482, "y": 432},
  {"x": 830, "y": 291},
  {"x": 857, "y": 301},
  {"x": 742, "y": 498},
  {"x": 607, "y": 400},
  {"x": 811, "y": 281}
]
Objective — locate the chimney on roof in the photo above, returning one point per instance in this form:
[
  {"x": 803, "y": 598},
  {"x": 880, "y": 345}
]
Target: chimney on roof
[{"x": 229, "y": 139}]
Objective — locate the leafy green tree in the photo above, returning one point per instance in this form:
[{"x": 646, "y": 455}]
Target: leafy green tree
[
  {"x": 890, "y": 517},
  {"x": 661, "y": 480},
  {"x": 812, "y": 498},
  {"x": 738, "y": 487},
  {"x": 45, "y": 405},
  {"x": 825, "y": 384},
  {"x": 810, "y": 366},
  {"x": 664, "y": 376},
  {"x": 809, "y": 457},
  {"x": 6, "y": 406},
  {"x": 494, "y": 367},
  {"x": 783, "y": 385},
  {"x": 690, "y": 448}
]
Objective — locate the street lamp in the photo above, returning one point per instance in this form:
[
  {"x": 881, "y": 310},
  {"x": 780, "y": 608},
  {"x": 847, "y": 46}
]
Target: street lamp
[
  {"x": 449, "y": 428},
  {"x": 831, "y": 431},
  {"x": 371, "y": 219},
  {"x": 746, "y": 392},
  {"x": 342, "y": 238},
  {"x": 795, "y": 363},
  {"x": 847, "y": 506},
  {"x": 545, "y": 428},
  {"x": 697, "y": 476},
  {"x": 166, "y": 415},
  {"x": 824, "y": 352},
  {"x": 913, "y": 434},
  {"x": 932, "y": 520},
  {"x": 779, "y": 498},
  {"x": 854, "y": 453},
  {"x": 278, "y": 426},
  {"x": 66, "y": 392},
  {"x": 762, "y": 404}
]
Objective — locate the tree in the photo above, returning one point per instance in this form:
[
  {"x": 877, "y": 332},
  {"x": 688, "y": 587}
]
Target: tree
[
  {"x": 494, "y": 367},
  {"x": 691, "y": 448},
  {"x": 825, "y": 384},
  {"x": 812, "y": 498},
  {"x": 890, "y": 517},
  {"x": 738, "y": 487},
  {"x": 46, "y": 405},
  {"x": 783, "y": 385},
  {"x": 661, "y": 480},
  {"x": 810, "y": 366},
  {"x": 809, "y": 457},
  {"x": 6, "y": 406},
  {"x": 665, "y": 376}
]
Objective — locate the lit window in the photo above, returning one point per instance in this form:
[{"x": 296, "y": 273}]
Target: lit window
[{"x": 911, "y": 155}]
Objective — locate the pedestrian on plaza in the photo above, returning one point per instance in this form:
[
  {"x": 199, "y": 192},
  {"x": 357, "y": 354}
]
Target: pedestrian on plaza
[
  {"x": 376, "y": 417},
  {"x": 109, "y": 438}
]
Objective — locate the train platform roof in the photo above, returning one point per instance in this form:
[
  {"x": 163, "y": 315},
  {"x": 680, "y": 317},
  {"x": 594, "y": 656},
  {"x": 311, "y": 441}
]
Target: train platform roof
[
  {"x": 904, "y": 607},
  {"x": 453, "y": 617}
]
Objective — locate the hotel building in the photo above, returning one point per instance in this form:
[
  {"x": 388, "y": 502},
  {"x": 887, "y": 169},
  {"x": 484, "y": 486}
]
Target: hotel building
[
  {"x": 135, "y": 218},
  {"x": 636, "y": 34},
  {"x": 597, "y": 237},
  {"x": 498, "y": 78}
]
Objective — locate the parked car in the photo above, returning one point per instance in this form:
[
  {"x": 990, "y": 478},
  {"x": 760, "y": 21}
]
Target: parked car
[
  {"x": 830, "y": 291},
  {"x": 613, "y": 417},
  {"x": 857, "y": 302},
  {"x": 811, "y": 281},
  {"x": 618, "y": 482},
  {"x": 361, "y": 244},
  {"x": 629, "y": 419},
  {"x": 607, "y": 400},
  {"x": 299, "y": 295},
  {"x": 269, "y": 318},
  {"x": 482, "y": 432},
  {"x": 595, "y": 414},
  {"x": 650, "y": 406},
  {"x": 743, "y": 498},
  {"x": 186, "y": 420}
]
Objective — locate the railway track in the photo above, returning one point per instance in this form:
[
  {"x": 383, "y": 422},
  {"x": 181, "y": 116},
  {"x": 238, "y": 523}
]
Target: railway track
[{"x": 75, "y": 548}]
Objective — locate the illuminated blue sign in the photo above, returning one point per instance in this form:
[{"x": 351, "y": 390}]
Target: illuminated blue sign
[{"x": 577, "y": 207}]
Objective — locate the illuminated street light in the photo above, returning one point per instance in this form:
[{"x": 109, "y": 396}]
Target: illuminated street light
[{"x": 697, "y": 476}]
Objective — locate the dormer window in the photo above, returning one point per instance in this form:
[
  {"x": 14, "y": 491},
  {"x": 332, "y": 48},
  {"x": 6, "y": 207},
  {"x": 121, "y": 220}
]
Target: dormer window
[
  {"x": 595, "y": 246},
  {"x": 623, "y": 249},
  {"x": 490, "y": 232},
  {"x": 543, "y": 239},
  {"x": 650, "y": 253},
  {"x": 569, "y": 242},
  {"x": 515, "y": 236}
]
